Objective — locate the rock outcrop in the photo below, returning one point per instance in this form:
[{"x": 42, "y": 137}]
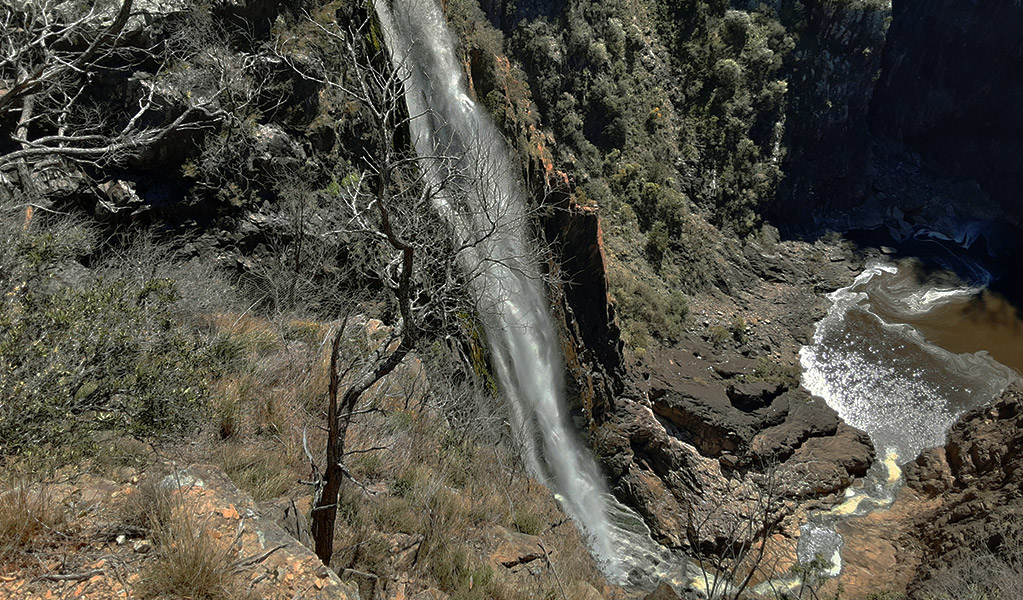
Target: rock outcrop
[
  {"x": 695, "y": 444},
  {"x": 278, "y": 565},
  {"x": 976, "y": 480}
]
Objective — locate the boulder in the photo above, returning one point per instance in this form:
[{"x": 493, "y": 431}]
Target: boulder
[
  {"x": 516, "y": 549},
  {"x": 580, "y": 590},
  {"x": 664, "y": 591},
  {"x": 277, "y": 565}
]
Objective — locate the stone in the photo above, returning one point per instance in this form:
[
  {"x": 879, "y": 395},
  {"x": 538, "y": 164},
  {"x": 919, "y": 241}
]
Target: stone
[
  {"x": 516, "y": 548},
  {"x": 748, "y": 396},
  {"x": 664, "y": 591},
  {"x": 121, "y": 197},
  {"x": 404, "y": 550},
  {"x": 142, "y": 546},
  {"x": 291, "y": 569},
  {"x": 658, "y": 507},
  {"x": 431, "y": 594},
  {"x": 580, "y": 590},
  {"x": 366, "y": 582}
]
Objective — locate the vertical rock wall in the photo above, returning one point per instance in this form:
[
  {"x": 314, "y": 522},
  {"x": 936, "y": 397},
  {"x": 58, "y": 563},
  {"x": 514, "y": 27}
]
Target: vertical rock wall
[
  {"x": 950, "y": 90},
  {"x": 831, "y": 77}
]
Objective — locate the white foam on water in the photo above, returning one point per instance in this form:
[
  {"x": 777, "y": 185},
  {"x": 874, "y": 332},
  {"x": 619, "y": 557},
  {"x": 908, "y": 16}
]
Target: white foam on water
[{"x": 887, "y": 379}]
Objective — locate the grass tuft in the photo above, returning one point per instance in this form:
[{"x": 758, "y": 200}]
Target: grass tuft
[
  {"x": 28, "y": 515},
  {"x": 189, "y": 562}
]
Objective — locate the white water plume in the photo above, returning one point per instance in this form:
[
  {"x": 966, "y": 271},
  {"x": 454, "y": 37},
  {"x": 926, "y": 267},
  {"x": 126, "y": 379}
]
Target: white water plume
[
  {"x": 477, "y": 189},
  {"x": 883, "y": 376}
]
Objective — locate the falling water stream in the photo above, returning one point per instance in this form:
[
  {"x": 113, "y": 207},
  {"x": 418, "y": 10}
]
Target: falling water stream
[
  {"x": 892, "y": 356},
  {"x": 477, "y": 190}
]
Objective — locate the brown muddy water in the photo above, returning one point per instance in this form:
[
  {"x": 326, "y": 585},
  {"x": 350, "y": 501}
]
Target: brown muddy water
[{"x": 959, "y": 319}]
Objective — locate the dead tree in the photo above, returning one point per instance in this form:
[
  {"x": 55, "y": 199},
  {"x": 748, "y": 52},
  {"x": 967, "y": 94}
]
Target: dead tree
[
  {"x": 384, "y": 210},
  {"x": 50, "y": 54}
]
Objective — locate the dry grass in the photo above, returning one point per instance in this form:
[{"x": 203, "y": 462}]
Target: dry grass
[
  {"x": 265, "y": 471},
  {"x": 979, "y": 575},
  {"x": 189, "y": 563},
  {"x": 145, "y": 507},
  {"x": 30, "y": 516},
  {"x": 446, "y": 486},
  {"x": 450, "y": 491}
]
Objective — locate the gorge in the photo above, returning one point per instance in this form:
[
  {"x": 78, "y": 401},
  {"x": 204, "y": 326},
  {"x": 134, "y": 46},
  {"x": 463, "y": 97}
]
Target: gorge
[{"x": 735, "y": 280}]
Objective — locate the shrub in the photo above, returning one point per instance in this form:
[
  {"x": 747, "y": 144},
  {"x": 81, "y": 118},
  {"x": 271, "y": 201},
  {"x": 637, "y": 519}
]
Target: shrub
[
  {"x": 775, "y": 372},
  {"x": 86, "y": 352},
  {"x": 659, "y": 312},
  {"x": 718, "y": 335},
  {"x": 528, "y": 522}
]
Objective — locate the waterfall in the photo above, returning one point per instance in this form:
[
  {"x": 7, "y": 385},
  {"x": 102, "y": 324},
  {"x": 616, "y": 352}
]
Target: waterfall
[{"x": 478, "y": 191}]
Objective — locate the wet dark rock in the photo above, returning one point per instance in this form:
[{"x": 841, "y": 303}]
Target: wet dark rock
[
  {"x": 590, "y": 332},
  {"x": 700, "y": 428}
]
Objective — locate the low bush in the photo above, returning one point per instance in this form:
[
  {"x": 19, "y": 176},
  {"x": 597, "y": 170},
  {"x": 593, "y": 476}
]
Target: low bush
[{"x": 85, "y": 351}]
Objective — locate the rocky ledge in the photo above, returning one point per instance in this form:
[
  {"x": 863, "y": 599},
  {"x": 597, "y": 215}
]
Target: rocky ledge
[{"x": 715, "y": 425}]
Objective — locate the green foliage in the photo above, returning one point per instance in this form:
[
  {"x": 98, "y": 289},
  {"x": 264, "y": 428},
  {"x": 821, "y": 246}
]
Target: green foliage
[
  {"x": 101, "y": 352},
  {"x": 649, "y": 309},
  {"x": 718, "y": 336},
  {"x": 528, "y": 522},
  {"x": 775, "y": 372},
  {"x": 738, "y": 330}
]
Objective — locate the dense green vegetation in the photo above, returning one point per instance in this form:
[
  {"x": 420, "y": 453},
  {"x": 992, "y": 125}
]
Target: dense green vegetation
[
  {"x": 663, "y": 106},
  {"x": 667, "y": 115},
  {"x": 91, "y": 349}
]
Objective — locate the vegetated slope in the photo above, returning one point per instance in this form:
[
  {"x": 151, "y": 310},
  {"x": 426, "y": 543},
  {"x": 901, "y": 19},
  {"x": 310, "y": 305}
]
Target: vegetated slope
[{"x": 167, "y": 296}]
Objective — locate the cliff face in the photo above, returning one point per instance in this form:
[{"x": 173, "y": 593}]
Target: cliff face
[
  {"x": 949, "y": 90},
  {"x": 831, "y": 75}
]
